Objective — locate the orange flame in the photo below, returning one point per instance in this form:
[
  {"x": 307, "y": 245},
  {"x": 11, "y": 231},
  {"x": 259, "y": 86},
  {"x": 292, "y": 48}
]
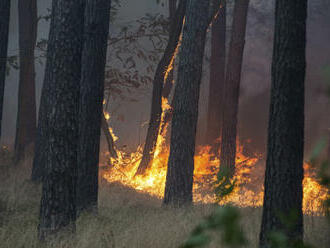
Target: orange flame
[
  {"x": 153, "y": 182},
  {"x": 247, "y": 193}
]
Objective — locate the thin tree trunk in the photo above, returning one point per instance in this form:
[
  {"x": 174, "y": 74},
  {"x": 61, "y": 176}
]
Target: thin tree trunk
[
  {"x": 26, "y": 113},
  {"x": 58, "y": 125},
  {"x": 179, "y": 179},
  {"x": 4, "y": 30},
  {"x": 232, "y": 86},
  {"x": 170, "y": 74},
  {"x": 159, "y": 79},
  {"x": 96, "y": 30},
  {"x": 217, "y": 79},
  {"x": 284, "y": 166},
  {"x": 108, "y": 136}
]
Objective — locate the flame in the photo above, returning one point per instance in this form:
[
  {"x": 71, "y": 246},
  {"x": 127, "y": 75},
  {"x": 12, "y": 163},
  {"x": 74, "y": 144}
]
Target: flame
[
  {"x": 206, "y": 166},
  {"x": 247, "y": 193},
  {"x": 107, "y": 116}
]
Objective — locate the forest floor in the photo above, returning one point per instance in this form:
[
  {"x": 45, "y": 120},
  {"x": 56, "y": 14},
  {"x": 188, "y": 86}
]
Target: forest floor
[{"x": 126, "y": 218}]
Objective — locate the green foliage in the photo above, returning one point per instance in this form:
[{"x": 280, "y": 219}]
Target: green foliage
[
  {"x": 278, "y": 239},
  {"x": 225, "y": 220},
  {"x": 224, "y": 185}
]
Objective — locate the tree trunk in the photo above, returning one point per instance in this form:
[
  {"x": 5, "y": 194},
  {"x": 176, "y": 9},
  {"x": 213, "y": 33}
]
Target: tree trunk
[
  {"x": 232, "y": 86},
  {"x": 4, "y": 30},
  {"x": 168, "y": 85},
  {"x": 179, "y": 179},
  {"x": 96, "y": 30},
  {"x": 284, "y": 166},
  {"x": 26, "y": 113},
  {"x": 108, "y": 136},
  {"x": 159, "y": 79},
  {"x": 217, "y": 79},
  {"x": 58, "y": 123}
]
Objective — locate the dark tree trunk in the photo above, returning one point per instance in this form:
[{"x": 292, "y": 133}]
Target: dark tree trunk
[
  {"x": 26, "y": 112},
  {"x": 108, "y": 136},
  {"x": 4, "y": 30},
  {"x": 97, "y": 19},
  {"x": 179, "y": 179},
  {"x": 217, "y": 78},
  {"x": 159, "y": 79},
  {"x": 284, "y": 166},
  {"x": 232, "y": 86},
  {"x": 58, "y": 123},
  {"x": 168, "y": 85}
]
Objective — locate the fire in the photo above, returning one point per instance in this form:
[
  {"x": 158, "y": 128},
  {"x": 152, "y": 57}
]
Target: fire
[
  {"x": 153, "y": 182},
  {"x": 248, "y": 191}
]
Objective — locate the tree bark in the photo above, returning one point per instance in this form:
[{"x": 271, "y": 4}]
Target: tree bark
[
  {"x": 26, "y": 113},
  {"x": 284, "y": 166},
  {"x": 217, "y": 79},
  {"x": 232, "y": 86},
  {"x": 58, "y": 118},
  {"x": 169, "y": 82},
  {"x": 179, "y": 179},
  {"x": 4, "y": 30},
  {"x": 96, "y": 30},
  {"x": 158, "y": 82},
  {"x": 108, "y": 136}
]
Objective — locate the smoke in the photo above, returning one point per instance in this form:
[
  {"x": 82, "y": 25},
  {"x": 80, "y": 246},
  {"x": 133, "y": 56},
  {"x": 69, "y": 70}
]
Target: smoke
[{"x": 128, "y": 117}]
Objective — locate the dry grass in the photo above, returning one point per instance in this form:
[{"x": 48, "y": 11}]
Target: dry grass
[{"x": 125, "y": 219}]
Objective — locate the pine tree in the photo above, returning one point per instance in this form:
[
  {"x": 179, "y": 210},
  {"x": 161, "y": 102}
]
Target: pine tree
[
  {"x": 57, "y": 136},
  {"x": 284, "y": 165},
  {"x": 217, "y": 79},
  {"x": 26, "y": 114},
  {"x": 158, "y": 82},
  {"x": 179, "y": 179},
  {"x": 232, "y": 86},
  {"x": 97, "y": 18},
  {"x": 4, "y": 30}
]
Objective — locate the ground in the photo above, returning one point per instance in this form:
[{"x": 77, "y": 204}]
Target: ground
[{"x": 126, "y": 218}]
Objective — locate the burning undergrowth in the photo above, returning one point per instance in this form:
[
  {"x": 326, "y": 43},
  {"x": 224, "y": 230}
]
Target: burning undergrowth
[{"x": 248, "y": 176}]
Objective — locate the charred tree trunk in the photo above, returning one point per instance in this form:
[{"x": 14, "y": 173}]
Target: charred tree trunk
[
  {"x": 108, "y": 136},
  {"x": 284, "y": 166},
  {"x": 232, "y": 86},
  {"x": 217, "y": 78},
  {"x": 4, "y": 30},
  {"x": 168, "y": 85},
  {"x": 96, "y": 30},
  {"x": 179, "y": 179},
  {"x": 26, "y": 113},
  {"x": 58, "y": 125},
  {"x": 158, "y": 82}
]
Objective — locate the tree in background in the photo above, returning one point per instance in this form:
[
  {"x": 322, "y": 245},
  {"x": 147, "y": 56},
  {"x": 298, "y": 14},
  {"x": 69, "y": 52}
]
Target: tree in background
[
  {"x": 232, "y": 86},
  {"x": 217, "y": 78},
  {"x": 179, "y": 179},
  {"x": 4, "y": 30},
  {"x": 26, "y": 113},
  {"x": 97, "y": 16},
  {"x": 158, "y": 82},
  {"x": 168, "y": 84},
  {"x": 57, "y": 134},
  {"x": 284, "y": 166}
]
